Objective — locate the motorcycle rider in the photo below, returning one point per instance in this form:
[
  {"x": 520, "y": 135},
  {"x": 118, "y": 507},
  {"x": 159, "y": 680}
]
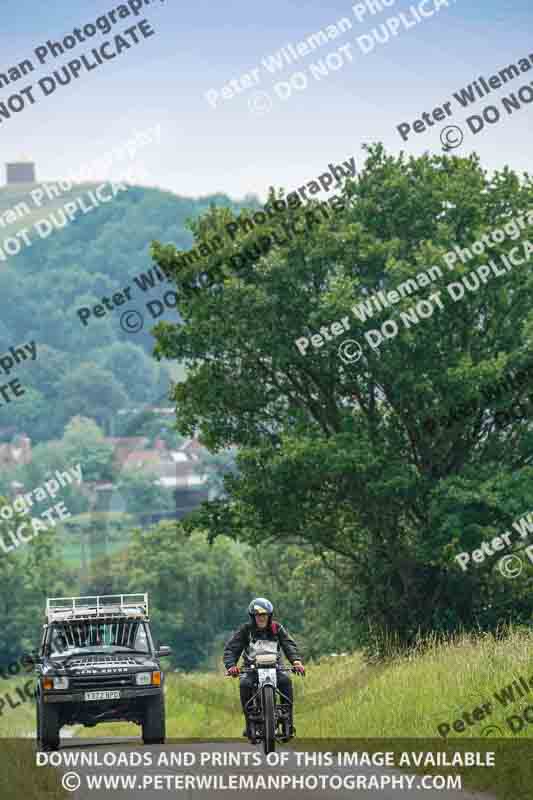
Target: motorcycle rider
[{"x": 260, "y": 627}]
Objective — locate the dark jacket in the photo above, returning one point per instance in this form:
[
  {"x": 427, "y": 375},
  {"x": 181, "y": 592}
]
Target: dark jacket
[{"x": 240, "y": 641}]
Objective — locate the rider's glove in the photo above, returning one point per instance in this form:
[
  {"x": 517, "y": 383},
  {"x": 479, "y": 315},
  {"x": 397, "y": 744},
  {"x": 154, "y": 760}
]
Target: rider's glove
[
  {"x": 299, "y": 667},
  {"x": 234, "y": 671}
]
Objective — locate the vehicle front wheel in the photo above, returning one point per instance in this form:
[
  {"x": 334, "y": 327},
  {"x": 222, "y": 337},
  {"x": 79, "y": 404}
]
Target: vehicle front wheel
[
  {"x": 154, "y": 720},
  {"x": 48, "y": 726}
]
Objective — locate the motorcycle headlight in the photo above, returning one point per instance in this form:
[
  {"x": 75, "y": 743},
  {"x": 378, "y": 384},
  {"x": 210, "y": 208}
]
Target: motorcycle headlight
[{"x": 143, "y": 678}]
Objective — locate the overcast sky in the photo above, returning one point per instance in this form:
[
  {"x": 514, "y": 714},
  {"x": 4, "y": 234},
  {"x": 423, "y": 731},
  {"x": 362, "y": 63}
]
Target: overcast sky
[{"x": 202, "y": 46}]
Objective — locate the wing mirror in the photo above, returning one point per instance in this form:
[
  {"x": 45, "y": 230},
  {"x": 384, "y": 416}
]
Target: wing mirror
[
  {"x": 29, "y": 660},
  {"x": 163, "y": 651}
]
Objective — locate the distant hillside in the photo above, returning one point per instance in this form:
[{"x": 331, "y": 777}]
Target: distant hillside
[
  {"x": 16, "y": 200},
  {"x": 42, "y": 287},
  {"x": 156, "y": 214}
]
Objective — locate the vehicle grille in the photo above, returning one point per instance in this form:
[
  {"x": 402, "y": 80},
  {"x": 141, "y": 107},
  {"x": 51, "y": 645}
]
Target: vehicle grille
[{"x": 98, "y": 682}]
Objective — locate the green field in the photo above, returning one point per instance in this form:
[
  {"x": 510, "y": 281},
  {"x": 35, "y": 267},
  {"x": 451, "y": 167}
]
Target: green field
[{"x": 89, "y": 538}]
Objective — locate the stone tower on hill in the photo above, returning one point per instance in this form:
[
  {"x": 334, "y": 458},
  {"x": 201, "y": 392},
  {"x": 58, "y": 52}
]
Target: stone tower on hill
[{"x": 20, "y": 172}]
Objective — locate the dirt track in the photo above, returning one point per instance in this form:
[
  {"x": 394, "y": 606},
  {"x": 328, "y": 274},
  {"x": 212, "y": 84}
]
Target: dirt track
[{"x": 291, "y": 768}]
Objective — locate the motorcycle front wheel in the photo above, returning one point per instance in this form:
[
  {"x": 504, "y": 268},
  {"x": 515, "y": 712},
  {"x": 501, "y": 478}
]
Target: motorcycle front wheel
[{"x": 269, "y": 732}]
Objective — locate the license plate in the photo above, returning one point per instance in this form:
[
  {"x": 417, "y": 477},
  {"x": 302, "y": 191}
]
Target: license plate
[{"x": 102, "y": 695}]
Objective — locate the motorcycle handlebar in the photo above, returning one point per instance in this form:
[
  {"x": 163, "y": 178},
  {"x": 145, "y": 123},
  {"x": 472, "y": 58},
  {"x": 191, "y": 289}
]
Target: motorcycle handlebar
[{"x": 254, "y": 669}]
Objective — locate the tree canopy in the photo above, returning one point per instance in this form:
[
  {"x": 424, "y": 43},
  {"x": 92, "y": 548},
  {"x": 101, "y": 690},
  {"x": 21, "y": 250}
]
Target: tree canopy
[{"x": 366, "y": 460}]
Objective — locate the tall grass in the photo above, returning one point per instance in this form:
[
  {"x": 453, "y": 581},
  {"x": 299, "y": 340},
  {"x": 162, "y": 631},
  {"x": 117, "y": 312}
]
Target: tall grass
[
  {"x": 345, "y": 697},
  {"x": 19, "y": 721},
  {"x": 21, "y": 778},
  {"x": 435, "y": 683},
  {"x": 19, "y": 775}
]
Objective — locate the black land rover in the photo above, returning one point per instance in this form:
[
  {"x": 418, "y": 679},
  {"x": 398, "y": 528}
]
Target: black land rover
[{"x": 97, "y": 663}]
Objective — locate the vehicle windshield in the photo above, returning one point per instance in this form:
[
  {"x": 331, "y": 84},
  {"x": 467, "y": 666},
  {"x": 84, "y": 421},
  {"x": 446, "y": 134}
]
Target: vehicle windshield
[{"x": 116, "y": 636}]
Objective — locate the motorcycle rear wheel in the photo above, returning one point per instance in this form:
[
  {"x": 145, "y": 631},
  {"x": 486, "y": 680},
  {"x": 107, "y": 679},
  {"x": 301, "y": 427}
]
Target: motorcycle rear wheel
[{"x": 269, "y": 732}]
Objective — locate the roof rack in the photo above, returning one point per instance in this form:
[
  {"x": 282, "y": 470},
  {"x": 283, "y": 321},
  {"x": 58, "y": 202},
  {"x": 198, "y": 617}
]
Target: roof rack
[{"x": 96, "y": 606}]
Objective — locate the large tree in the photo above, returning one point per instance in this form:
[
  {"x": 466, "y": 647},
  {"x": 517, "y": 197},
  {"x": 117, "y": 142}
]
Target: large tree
[
  {"x": 131, "y": 367},
  {"x": 94, "y": 392},
  {"x": 29, "y": 573},
  {"x": 367, "y": 460}
]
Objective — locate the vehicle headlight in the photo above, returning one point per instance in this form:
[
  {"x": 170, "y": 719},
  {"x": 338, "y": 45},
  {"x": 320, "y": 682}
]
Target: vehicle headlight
[
  {"x": 55, "y": 683},
  {"x": 143, "y": 678}
]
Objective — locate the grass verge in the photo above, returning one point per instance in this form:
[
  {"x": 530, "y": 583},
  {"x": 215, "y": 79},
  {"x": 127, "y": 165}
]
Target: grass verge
[
  {"x": 399, "y": 704},
  {"x": 20, "y": 777}
]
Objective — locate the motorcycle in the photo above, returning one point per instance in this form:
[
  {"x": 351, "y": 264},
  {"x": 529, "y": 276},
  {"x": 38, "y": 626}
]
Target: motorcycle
[{"x": 269, "y": 711}]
